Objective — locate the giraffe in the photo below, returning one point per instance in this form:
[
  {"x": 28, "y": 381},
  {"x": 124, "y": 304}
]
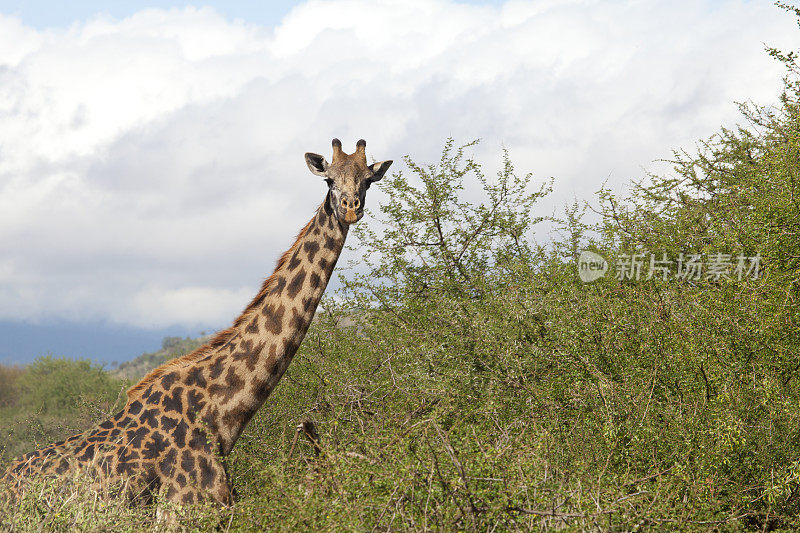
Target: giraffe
[{"x": 185, "y": 416}]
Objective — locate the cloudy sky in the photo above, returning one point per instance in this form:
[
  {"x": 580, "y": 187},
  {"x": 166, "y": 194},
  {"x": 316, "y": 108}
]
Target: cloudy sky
[{"x": 151, "y": 155}]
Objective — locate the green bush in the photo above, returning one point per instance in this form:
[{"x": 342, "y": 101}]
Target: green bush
[
  {"x": 56, "y": 398},
  {"x": 9, "y": 391},
  {"x": 52, "y": 385}
]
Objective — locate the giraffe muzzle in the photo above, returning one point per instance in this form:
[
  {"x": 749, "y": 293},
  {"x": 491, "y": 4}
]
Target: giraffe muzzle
[
  {"x": 350, "y": 206},
  {"x": 351, "y": 216}
]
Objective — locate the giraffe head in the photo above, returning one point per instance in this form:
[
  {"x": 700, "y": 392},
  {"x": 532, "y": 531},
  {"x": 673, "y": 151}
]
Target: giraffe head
[{"x": 348, "y": 178}]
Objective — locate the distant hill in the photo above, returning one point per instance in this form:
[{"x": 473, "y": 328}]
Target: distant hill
[{"x": 171, "y": 347}]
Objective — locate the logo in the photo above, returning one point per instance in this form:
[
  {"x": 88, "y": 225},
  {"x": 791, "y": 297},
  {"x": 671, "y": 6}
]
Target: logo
[{"x": 591, "y": 266}]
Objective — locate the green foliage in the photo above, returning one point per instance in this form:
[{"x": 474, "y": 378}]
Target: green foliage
[
  {"x": 53, "y": 385},
  {"x": 9, "y": 392},
  {"x": 517, "y": 397},
  {"x": 434, "y": 240},
  {"x": 53, "y": 399}
]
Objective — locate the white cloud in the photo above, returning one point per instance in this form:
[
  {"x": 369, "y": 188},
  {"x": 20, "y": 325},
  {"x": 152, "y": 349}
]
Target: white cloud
[
  {"x": 151, "y": 168},
  {"x": 153, "y": 307}
]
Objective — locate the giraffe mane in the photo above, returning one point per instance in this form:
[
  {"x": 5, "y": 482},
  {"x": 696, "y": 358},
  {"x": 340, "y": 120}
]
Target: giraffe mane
[{"x": 222, "y": 337}]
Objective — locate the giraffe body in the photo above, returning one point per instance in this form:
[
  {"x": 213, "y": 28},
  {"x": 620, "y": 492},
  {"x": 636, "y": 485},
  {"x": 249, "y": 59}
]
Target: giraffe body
[{"x": 184, "y": 417}]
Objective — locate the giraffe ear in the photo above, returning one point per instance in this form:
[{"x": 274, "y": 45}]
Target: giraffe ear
[
  {"x": 379, "y": 169},
  {"x": 316, "y": 164}
]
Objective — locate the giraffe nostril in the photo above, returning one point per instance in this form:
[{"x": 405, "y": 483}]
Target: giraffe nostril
[
  {"x": 344, "y": 202},
  {"x": 356, "y": 203}
]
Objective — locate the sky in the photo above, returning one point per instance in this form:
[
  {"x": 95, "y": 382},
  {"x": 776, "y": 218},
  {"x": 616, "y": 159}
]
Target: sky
[{"x": 151, "y": 154}]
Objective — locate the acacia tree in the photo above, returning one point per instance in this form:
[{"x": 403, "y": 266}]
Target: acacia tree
[{"x": 431, "y": 240}]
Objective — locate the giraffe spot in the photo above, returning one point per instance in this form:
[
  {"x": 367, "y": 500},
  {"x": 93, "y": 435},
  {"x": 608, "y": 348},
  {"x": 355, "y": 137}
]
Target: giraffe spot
[
  {"x": 217, "y": 390},
  {"x": 168, "y": 423},
  {"x": 114, "y": 435},
  {"x": 125, "y": 422},
  {"x": 188, "y": 498},
  {"x": 274, "y": 318},
  {"x": 296, "y": 283},
  {"x": 180, "y": 479},
  {"x": 196, "y": 377},
  {"x": 330, "y": 243},
  {"x": 233, "y": 380},
  {"x": 210, "y": 419},
  {"x": 62, "y": 467},
  {"x": 155, "y": 446},
  {"x": 187, "y": 461},
  {"x": 134, "y": 408},
  {"x": 47, "y": 452},
  {"x": 128, "y": 455},
  {"x": 275, "y": 372},
  {"x": 232, "y": 343},
  {"x": 252, "y": 327},
  {"x": 308, "y": 304},
  {"x": 314, "y": 280},
  {"x": 254, "y": 356},
  {"x": 173, "y": 402},
  {"x": 297, "y": 321},
  {"x": 326, "y": 221},
  {"x": 88, "y": 454},
  {"x": 97, "y": 436},
  {"x": 171, "y": 492},
  {"x": 323, "y": 264},
  {"x": 238, "y": 415},
  {"x": 295, "y": 261},
  {"x": 168, "y": 379},
  {"x": 207, "y": 473},
  {"x": 135, "y": 436},
  {"x": 194, "y": 403},
  {"x": 290, "y": 346},
  {"x": 108, "y": 424},
  {"x": 126, "y": 468},
  {"x": 311, "y": 248},
  {"x": 149, "y": 417},
  {"x": 259, "y": 389},
  {"x": 215, "y": 370},
  {"x": 179, "y": 434},
  {"x": 233, "y": 384},
  {"x": 74, "y": 437},
  {"x": 167, "y": 465},
  {"x": 154, "y": 398},
  {"x": 280, "y": 283}
]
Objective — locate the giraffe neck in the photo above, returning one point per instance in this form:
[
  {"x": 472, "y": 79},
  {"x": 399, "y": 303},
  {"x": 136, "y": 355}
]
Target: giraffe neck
[{"x": 264, "y": 339}]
